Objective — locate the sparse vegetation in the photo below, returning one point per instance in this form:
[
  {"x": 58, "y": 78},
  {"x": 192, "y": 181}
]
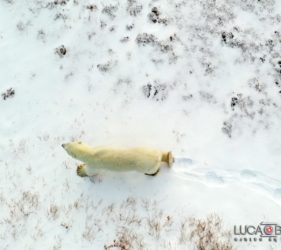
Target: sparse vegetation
[
  {"x": 9, "y": 93},
  {"x": 154, "y": 16},
  {"x": 54, "y": 212},
  {"x": 133, "y": 8},
  {"x": 144, "y": 39},
  {"x": 61, "y": 51},
  {"x": 206, "y": 234},
  {"x": 157, "y": 92},
  {"x": 105, "y": 66},
  {"x": 124, "y": 241},
  {"x": 91, "y": 7},
  {"x": 110, "y": 10},
  {"x": 87, "y": 70}
]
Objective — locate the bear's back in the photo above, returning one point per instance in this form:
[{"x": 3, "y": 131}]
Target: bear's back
[{"x": 118, "y": 159}]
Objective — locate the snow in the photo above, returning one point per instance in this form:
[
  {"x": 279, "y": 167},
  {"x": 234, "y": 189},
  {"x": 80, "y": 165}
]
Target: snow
[{"x": 203, "y": 81}]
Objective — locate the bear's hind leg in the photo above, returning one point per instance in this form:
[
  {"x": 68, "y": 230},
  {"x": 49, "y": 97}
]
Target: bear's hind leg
[
  {"x": 168, "y": 158},
  {"x": 81, "y": 170}
]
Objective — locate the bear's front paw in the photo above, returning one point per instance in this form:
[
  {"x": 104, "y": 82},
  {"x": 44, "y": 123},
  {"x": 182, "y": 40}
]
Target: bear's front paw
[{"x": 81, "y": 170}]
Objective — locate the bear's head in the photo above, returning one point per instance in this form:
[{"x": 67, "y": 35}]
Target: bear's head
[{"x": 77, "y": 150}]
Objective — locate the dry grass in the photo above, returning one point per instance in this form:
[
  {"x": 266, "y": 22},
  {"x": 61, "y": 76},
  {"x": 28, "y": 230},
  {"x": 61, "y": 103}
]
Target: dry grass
[
  {"x": 206, "y": 234},
  {"x": 25, "y": 206},
  {"x": 19, "y": 211},
  {"x": 136, "y": 224},
  {"x": 126, "y": 240},
  {"x": 54, "y": 212},
  {"x": 8, "y": 93}
]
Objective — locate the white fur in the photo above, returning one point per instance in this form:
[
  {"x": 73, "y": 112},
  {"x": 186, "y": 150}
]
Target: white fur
[{"x": 144, "y": 160}]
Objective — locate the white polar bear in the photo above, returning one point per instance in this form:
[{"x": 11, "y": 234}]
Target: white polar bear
[{"x": 144, "y": 160}]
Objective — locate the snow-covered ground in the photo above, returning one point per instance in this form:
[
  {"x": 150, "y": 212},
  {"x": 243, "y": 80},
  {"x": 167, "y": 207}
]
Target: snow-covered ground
[{"x": 200, "y": 78}]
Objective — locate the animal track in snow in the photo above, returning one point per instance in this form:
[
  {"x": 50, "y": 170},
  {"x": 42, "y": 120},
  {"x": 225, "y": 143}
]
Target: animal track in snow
[{"x": 192, "y": 171}]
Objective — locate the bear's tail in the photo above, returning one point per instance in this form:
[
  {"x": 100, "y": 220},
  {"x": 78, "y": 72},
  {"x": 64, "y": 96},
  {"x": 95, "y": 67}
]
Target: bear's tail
[{"x": 168, "y": 158}]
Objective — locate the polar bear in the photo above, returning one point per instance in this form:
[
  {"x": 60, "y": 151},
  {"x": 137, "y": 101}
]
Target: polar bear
[{"x": 144, "y": 160}]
